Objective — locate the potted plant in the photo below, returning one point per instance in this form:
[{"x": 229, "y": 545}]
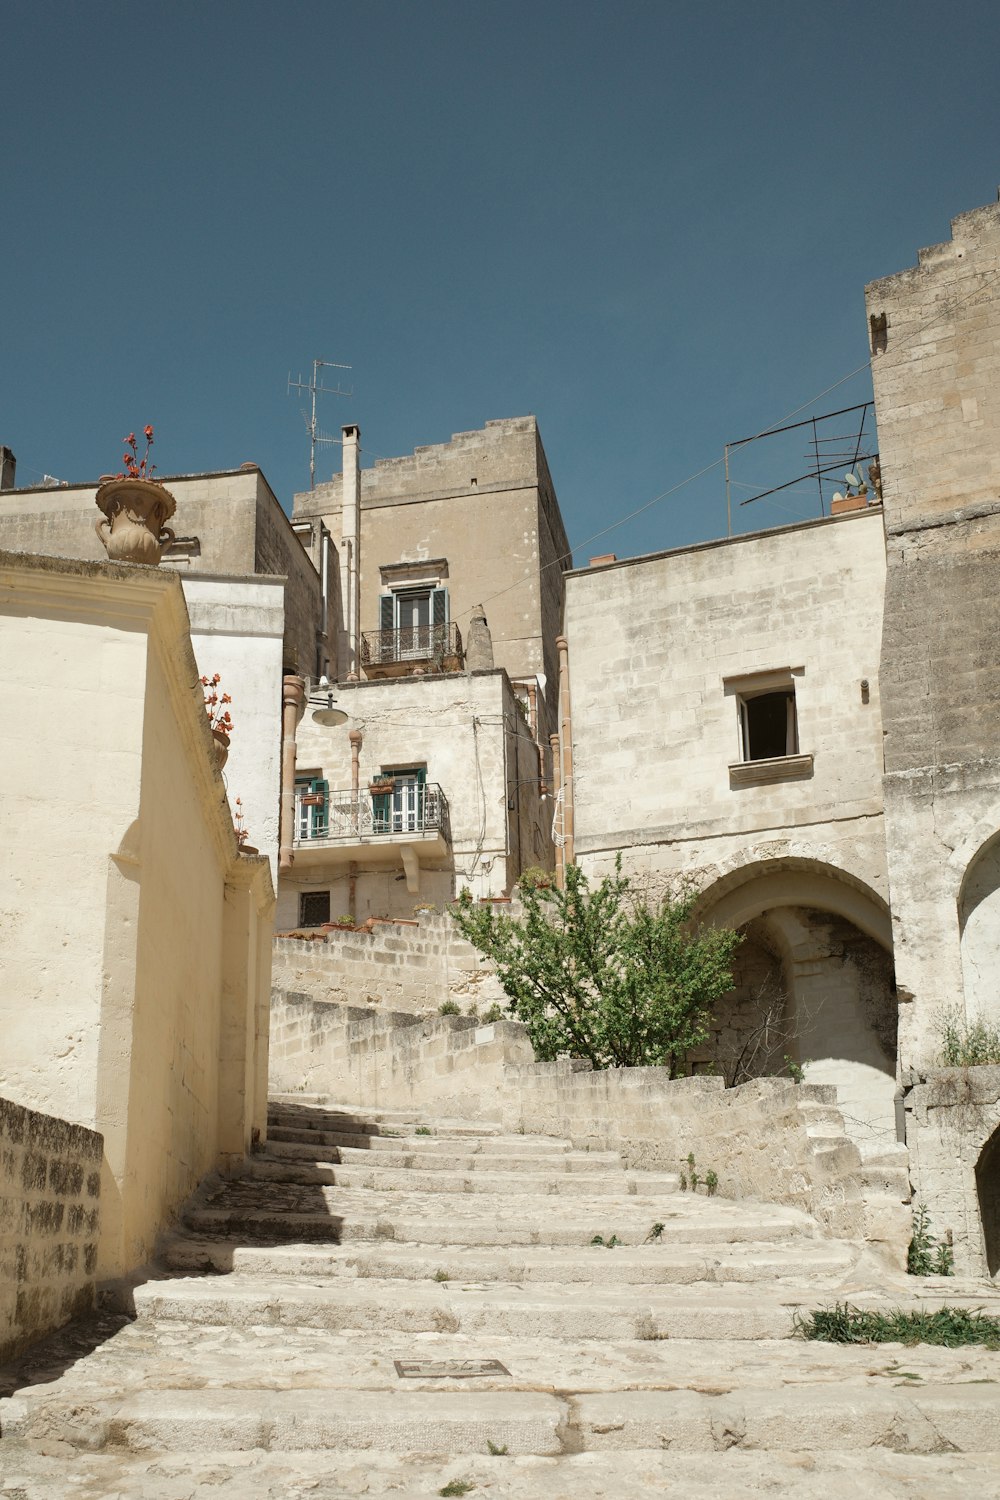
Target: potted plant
[
  {"x": 135, "y": 507},
  {"x": 219, "y": 721}
]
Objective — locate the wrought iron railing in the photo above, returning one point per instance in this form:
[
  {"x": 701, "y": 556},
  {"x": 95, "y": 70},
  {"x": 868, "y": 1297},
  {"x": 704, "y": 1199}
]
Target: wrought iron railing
[
  {"x": 340, "y": 817},
  {"x": 437, "y": 644}
]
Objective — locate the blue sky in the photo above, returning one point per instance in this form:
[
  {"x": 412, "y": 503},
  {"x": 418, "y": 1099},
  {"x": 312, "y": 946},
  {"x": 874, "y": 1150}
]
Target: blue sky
[{"x": 649, "y": 223}]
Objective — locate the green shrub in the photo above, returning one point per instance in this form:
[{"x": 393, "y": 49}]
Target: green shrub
[
  {"x": 602, "y": 974},
  {"x": 449, "y": 1008},
  {"x": 950, "y": 1326}
]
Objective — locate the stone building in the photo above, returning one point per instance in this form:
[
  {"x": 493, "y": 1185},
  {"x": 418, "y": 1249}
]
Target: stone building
[{"x": 440, "y": 777}]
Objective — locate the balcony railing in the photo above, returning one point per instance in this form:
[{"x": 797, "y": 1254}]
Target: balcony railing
[
  {"x": 440, "y": 646},
  {"x": 351, "y": 817}
]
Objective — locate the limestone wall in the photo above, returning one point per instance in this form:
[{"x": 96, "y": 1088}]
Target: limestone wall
[
  {"x": 658, "y": 648},
  {"x": 447, "y": 1064},
  {"x": 412, "y": 966},
  {"x": 50, "y": 1185},
  {"x": 135, "y": 968},
  {"x": 483, "y": 503},
  {"x": 952, "y": 1115},
  {"x": 936, "y": 373}
]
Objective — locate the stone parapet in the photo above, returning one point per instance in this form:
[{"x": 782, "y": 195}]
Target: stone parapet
[{"x": 50, "y": 1186}]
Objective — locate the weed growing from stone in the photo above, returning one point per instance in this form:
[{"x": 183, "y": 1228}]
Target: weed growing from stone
[
  {"x": 495, "y": 1013},
  {"x": 441, "y": 1276},
  {"x": 952, "y": 1327},
  {"x": 496, "y": 1449},
  {"x": 926, "y": 1255},
  {"x": 607, "y": 1244},
  {"x": 449, "y": 1008},
  {"x": 965, "y": 1043},
  {"x": 656, "y": 1232},
  {"x": 457, "y": 1487},
  {"x": 690, "y": 1177},
  {"x": 423, "y": 1130}
]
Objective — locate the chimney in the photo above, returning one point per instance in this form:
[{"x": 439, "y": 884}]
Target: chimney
[
  {"x": 479, "y": 644},
  {"x": 350, "y": 554},
  {"x": 8, "y": 468}
]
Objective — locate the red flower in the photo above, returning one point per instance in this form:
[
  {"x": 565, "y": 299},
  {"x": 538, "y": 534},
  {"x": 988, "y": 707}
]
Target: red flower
[
  {"x": 130, "y": 440},
  {"x": 148, "y": 433}
]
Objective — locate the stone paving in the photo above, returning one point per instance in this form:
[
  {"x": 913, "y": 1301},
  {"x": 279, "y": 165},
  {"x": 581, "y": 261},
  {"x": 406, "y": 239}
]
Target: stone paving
[{"x": 262, "y": 1356}]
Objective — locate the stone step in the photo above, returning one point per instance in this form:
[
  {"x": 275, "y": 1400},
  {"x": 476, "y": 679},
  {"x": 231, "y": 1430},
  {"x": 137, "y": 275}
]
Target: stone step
[
  {"x": 515, "y": 1184},
  {"x": 378, "y": 1122},
  {"x": 807, "y": 1420},
  {"x": 860, "y": 1474},
  {"x": 653, "y": 1264},
  {"x": 542, "y": 1311},
  {"x": 444, "y": 1156},
  {"x": 397, "y": 1140},
  {"x": 894, "y": 1181},
  {"x": 278, "y": 1213}
]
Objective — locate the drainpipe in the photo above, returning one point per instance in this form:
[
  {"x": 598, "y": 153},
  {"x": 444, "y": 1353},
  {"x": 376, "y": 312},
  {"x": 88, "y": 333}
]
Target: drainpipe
[
  {"x": 350, "y": 556},
  {"x": 556, "y": 784},
  {"x": 355, "y": 736},
  {"x": 566, "y": 741},
  {"x": 293, "y": 706}
]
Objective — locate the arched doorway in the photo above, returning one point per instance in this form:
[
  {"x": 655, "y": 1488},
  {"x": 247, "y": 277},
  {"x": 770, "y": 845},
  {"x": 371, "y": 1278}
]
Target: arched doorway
[
  {"x": 815, "y": 988},
  {"x": 988, "y": 1192}
]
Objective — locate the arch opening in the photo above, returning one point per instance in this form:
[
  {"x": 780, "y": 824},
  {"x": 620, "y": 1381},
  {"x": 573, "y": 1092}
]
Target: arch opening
[{"x": 988, "y": 1192}]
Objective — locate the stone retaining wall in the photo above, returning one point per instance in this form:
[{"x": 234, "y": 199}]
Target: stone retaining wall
[
  {"x": 397, "y": 965},
  {"x": 386, "y": 1059},
  {"x": 757, "y": 1138},
  {"x": 50, "y": 1184},
  {"x": 769, "y": 1139}
]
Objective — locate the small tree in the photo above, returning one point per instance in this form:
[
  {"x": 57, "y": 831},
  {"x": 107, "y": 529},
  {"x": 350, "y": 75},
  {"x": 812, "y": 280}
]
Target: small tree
[{"x": 604, "y": 975}]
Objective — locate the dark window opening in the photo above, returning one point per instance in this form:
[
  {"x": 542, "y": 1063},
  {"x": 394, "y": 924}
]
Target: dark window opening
[
  {"x": 314, "y": 908},
  {"x": 767, "y": 722}
]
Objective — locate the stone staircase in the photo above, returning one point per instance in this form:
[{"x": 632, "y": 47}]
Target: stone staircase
[{"x": 386, "y": 1304}]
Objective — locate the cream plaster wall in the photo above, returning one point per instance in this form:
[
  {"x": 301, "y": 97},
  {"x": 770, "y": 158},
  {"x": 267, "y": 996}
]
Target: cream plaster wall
[
  {"x": 116, "y": 868},
  {"x": 231, "y": 523},
  {"x": 237, "y": 627}
]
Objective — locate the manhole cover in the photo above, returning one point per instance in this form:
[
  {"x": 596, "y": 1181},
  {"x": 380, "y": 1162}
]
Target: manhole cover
[{"x": 443, "y": 1369}]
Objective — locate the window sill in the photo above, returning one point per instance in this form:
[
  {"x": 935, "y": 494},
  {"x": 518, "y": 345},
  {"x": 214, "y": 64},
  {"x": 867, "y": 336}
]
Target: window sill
[{"x": 778, "y": 768}]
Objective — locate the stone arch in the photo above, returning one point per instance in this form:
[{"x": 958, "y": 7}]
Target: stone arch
[
  {"x": 979, "y": 929},
  {"x": 832, "y": 934}
]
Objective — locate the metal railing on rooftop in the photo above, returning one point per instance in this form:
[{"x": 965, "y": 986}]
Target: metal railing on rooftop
[{"x": 436, "y": 644}]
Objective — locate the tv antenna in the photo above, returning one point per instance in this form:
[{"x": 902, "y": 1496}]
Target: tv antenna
[{"x": 315, "y": 388}]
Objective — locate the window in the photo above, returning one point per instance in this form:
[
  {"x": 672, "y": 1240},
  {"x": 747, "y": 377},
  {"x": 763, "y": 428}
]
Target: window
[
  {"x": 767, "y": 725},
  {"x": 417, "y": 615},
  {"x": 314, "y": 908},
  {"x": 402, "y": 809}
]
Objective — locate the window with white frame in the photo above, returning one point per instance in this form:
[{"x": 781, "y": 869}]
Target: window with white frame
[{"x": 767, "y": 727}]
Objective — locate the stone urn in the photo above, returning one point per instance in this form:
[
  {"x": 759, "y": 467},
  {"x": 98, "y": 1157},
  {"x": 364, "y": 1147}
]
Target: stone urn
[{"x": 132, "y": 526}]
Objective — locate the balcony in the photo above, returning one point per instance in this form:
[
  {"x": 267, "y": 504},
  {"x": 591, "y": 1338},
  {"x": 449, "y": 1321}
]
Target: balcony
[
  {"x": 421, "y": 648},
  {"x": 407, "y": 825}
]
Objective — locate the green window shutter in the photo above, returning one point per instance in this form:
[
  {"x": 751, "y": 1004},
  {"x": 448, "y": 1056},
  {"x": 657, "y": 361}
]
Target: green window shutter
[
  {"x": 319, "y": 817},
  {"x": 385, "y": 612},
  {"x": 439, "y": 606}
]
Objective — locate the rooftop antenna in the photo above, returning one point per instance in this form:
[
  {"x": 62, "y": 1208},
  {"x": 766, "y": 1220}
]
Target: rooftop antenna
[{"x": 315, "y": 388}]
